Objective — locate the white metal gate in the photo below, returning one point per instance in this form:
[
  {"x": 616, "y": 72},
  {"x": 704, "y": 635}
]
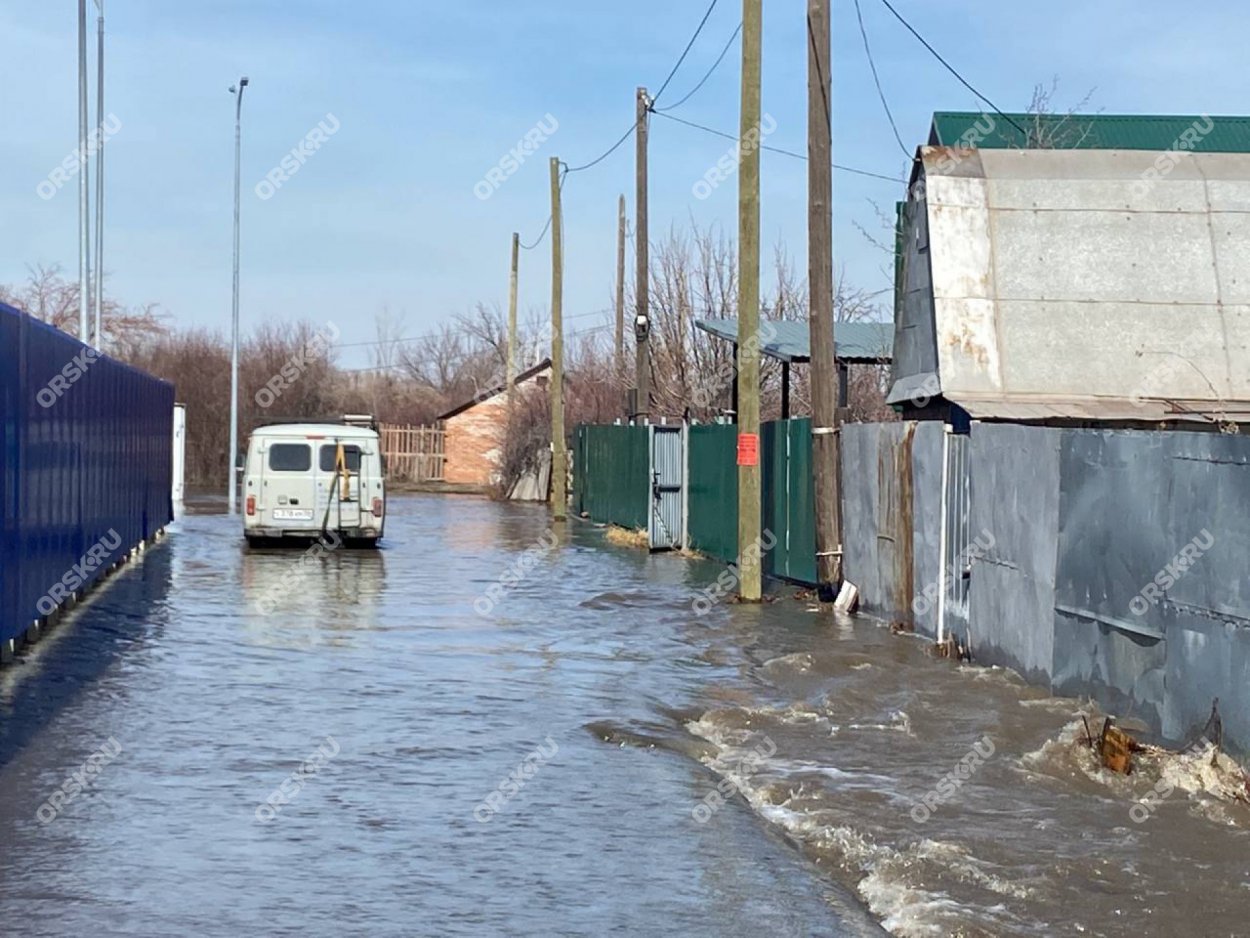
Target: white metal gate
[{"x": 667, "y": 527}]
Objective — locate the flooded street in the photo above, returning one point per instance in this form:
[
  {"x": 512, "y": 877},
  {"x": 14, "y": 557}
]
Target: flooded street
[{"x": 381, "y": 743}]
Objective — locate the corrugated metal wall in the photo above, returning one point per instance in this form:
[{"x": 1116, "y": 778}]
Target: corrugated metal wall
[
  {"x": 96, "y": 460},
  {"x": 878, "y": 515},
  {"x": 613, "y": 484},
  {"x": 1075, "y": 525}
]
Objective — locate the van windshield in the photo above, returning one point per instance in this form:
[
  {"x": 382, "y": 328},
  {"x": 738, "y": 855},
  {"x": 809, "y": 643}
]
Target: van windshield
[
  {"x": 350, "y": 453},
  {"x": 290, "y": 457}
]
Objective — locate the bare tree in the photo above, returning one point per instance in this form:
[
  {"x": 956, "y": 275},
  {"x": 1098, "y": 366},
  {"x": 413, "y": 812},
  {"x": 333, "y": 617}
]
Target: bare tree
[
  {"x": 1052, "y": 129},
  {"x": 50, "y": 297}
]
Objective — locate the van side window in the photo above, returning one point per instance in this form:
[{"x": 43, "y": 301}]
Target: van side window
[
  {"x": 350, "y": 453},
  {"x": 290, "y": 457}
]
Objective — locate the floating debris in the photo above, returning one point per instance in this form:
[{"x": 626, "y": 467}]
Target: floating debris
[
  {"x": 950, "y": 647},
  {"x": 848, "y": 598},
  {"x": 1116, "y": 748}
]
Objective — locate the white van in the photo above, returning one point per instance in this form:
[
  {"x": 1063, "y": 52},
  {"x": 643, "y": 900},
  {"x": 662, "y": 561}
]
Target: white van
[{"x": 309, "y": 480}]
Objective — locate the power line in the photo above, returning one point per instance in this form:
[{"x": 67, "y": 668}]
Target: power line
[
  {"x": 826, "y": 81},
  {"x": 791, "y": 153},
  {"x": 859, "y": 14},
  {"x": 633, "y": 125},
  {"x": 539, "y": 240},
  {"x": 425, "y": 361},
  {"x": 686, "y": 52},
  {"x": 435, "y": 335},
  {"x": 715, "y": 65},
  {"x": 612, "y": 149},
  {"x": 564, "y": 172},
  {"x": 950, "y": 68}
]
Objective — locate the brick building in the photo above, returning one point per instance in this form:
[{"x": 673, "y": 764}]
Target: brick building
[{"x": 474, "y": 430}]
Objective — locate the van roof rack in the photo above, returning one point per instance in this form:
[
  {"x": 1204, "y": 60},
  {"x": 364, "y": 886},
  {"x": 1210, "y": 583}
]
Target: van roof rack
[{"x": 365, "y": 421}]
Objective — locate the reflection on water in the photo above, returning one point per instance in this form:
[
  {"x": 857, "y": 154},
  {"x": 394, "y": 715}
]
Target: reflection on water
[
  {"x": 310, "y": 595},
  {"x": 588, "y": 757}
]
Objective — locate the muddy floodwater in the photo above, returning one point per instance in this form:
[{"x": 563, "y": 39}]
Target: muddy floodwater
[{"x": 490, "y": 728}]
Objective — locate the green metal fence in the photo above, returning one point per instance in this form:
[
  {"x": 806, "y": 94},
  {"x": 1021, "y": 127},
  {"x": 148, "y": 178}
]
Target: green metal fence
[
  {"x": 612, "y": 486},
  {"x": 789, "y": 509},
  {"x": 712, "y": 495},
  {"x": 611, "y": 483}
]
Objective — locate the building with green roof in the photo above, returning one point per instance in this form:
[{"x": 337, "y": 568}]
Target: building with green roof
[{"x": 1088, "y": 131}]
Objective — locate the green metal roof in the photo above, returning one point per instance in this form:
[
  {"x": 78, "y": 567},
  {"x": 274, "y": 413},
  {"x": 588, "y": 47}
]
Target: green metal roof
[
  {"x": 1090, "y": 131},
  {"x": 858, "y": 342}
]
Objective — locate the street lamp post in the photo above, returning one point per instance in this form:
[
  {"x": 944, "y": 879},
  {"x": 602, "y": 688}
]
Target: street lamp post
[
  {"x": 99, "y": 176},
  {"x": 237, "y": 91},
  {"x": 84, "y": 219}
]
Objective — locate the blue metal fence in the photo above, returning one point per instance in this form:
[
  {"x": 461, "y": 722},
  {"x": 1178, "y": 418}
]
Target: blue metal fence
[{"x": 87, "y": 448}]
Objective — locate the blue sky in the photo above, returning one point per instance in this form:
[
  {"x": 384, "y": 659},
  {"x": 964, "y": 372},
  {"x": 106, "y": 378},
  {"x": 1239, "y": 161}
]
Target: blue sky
[{"x": 430, "y": 95}]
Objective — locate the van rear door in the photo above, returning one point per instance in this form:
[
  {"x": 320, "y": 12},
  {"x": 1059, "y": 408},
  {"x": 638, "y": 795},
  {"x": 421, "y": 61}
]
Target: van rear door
[
  {"x": 287, "y": 482},
  {"x": 342, "y": 499}
]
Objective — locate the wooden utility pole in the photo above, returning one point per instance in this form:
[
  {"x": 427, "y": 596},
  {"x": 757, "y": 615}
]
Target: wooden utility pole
[
  {"x": 642, "y": 321},
  {"x": 824, "y": 376},
  {"x": 559, "y": 455},
  {"x": 749, "y": 534},
  {"x": 620, "y": 290},
  {"x": 510, "y": 368}
]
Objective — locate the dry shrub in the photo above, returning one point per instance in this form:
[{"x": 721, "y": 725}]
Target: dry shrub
[{"x": 525, "y": 437}]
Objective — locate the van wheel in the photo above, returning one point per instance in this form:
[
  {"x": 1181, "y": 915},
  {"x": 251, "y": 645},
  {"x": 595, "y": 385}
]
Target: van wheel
[{"x": 252, "y": 541}]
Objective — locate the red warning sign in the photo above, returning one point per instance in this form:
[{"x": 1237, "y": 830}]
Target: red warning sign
[{"x": 748, "y": 449}]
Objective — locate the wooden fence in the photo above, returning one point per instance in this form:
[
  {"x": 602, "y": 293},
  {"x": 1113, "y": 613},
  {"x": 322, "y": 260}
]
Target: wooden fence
[{"x": 414, "y": 454}]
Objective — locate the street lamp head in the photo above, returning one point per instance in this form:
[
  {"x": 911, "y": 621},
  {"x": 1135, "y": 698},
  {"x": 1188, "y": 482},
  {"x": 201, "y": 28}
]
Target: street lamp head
[{"x": 243, "y": 82}]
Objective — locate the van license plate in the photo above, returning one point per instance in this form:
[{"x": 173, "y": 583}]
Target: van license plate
[{"x": 292, "y": 514}]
